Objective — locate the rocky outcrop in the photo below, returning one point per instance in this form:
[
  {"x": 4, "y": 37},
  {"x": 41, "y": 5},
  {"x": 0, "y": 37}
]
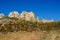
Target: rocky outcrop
[
  {"x": 14, "y": 14},
  {"x": 45, "y": 21},
  {"x": 1, "y": 15},
  {"x": 27, "y": 15}
]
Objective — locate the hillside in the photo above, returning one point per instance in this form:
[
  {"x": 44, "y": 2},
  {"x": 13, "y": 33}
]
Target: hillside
[
  {"x": 14, "y": 24},
  {"x": 19, "y": 29}
]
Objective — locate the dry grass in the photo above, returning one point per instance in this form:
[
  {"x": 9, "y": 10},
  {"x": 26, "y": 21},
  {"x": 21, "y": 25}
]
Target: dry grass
[{"x": 52, "y": 35}]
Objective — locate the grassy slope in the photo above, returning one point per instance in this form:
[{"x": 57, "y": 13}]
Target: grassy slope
[{"x": 15, "y": 29}]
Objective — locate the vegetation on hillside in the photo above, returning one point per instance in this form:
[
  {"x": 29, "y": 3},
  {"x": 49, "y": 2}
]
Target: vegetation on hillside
[{"x": 15, "y": 25}]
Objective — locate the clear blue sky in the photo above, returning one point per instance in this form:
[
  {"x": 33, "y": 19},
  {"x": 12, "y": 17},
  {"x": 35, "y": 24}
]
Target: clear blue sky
[{"x": 44, "y": 9}]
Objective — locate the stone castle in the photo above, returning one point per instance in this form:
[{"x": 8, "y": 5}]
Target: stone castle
[{"x": 26, "y": 16}]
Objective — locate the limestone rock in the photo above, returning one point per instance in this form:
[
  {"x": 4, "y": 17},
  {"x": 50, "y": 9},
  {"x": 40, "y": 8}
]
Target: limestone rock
[
  {"x": 14, "y": 14},
  {"x": 45, "y": 21},
  {"x": 1, "y": 15},
  {"x": 27, "y": 15}
]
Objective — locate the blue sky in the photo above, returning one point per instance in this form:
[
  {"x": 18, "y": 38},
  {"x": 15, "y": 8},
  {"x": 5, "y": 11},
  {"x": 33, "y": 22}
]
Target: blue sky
[{"x": 44, "y": 9}]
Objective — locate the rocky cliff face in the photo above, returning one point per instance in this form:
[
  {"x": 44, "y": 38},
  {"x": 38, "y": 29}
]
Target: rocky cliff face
[{"x": 29, "y": 16}]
